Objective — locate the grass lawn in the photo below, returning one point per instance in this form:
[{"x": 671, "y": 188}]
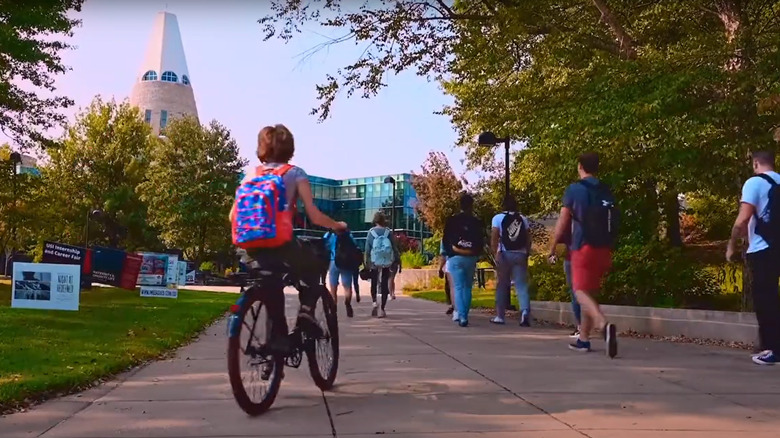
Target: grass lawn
[
  {"x": 44, "y": 352},
  {"x": 480, "y": 298}
]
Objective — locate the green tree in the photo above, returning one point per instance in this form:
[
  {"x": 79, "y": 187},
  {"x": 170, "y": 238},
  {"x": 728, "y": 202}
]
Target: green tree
[
  {"x": 437, "y": 190},
  {"x": 671, "y": 94},
  {"x": 102, "y": 160},
  {"x": 20, "y": 207},
  {"x": 31, "y": 43},
  {"x": 191, "y": 184}
]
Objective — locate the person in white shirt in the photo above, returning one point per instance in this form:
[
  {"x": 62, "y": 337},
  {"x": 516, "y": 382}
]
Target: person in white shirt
[
  {"x": 761, "y": 225},
  {"x": 510, "y": 241}
]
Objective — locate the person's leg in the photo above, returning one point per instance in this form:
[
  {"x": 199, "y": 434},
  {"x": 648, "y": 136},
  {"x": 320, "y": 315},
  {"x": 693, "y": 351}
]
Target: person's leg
[
  {"x": 384, "y": 284},
  {"x": 374, "y": 290},
  {"x": 333, "y": 280},
  {"x": 766, "y": 300},
  {"x": 503, "y": 279},
  {"x": 391, "y": 282},
  {"x": 520, "y": 275},
  {"x": 356, "y": 283},
  {"x": 458, "y": 277},
  {"x": 575, "y": 305},
  {"x": 447, "y": 289},
  {"x": 467, "y": 270},
  {"x": 346, "y": 283}
]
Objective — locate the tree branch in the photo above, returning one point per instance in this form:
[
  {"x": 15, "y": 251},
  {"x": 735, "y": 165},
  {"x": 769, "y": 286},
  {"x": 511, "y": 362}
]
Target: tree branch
[{"x": 624, "y": 40}]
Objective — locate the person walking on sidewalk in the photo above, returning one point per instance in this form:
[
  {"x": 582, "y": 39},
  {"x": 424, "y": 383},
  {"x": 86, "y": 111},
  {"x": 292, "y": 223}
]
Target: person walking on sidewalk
[
  {"x": 345, "y": 258},
  {"x": 510, "y": 241},
  {"x": 589, "y": 211},
  {"x": 444, "y": 273},
  {"x": 575, "y": 305},
  {"x": 464, "y": 240},
  {"x": 759, "y": 219},
  {"x": 381, "y": 252}
]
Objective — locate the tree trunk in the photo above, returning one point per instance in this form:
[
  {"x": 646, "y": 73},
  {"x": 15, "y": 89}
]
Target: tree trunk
[
  {"x": 737, "y": 31},
  {"x": 671, "y": 209},
  {"x": 624, "y": 40}
]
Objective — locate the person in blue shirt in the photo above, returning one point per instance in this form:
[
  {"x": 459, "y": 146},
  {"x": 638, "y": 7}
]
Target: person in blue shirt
[
  {"x": 763, "y": 260},
  {"x": 335, "y": 273}
]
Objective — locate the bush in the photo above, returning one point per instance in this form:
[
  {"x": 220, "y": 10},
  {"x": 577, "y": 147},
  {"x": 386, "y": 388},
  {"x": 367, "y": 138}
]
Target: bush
[
  {"x": 710, "y": 216},
  {"x": 208, "y": 267},
  {"x": 657, "y": 275},
  {"x": 412, "y": 260},
  {"x": 547, "y": 282}
]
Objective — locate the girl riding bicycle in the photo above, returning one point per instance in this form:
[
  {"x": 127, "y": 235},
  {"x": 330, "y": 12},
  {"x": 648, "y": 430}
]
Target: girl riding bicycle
[{"x": 275, "y": 148}]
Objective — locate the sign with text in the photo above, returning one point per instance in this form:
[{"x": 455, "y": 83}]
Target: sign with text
[
  {"x": 154, "y": 269},
  {"x": 130, "y": 271},
  {"x": 63, "y": 254},
  {"x": 182, "y": 281},
  {"x": 46, "y": 286},
  {"x": 107, "y": 264},
  {"x": 159, "y": 292}
]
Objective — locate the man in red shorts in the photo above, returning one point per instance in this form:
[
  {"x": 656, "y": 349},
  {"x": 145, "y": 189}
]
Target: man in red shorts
[{"x": 589, "y": 212}]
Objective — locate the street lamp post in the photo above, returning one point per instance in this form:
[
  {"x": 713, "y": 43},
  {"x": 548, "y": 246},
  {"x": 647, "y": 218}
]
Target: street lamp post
[
  {"x": 487, "y": 138},
  {"x": 16, "y": 161},
  {"x": 391, "y": 180},
  {"x": 90, "y": 215}
]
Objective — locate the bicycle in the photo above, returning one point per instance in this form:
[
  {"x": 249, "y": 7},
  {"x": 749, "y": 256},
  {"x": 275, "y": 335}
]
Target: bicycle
[{"x": 266, "y": 363}]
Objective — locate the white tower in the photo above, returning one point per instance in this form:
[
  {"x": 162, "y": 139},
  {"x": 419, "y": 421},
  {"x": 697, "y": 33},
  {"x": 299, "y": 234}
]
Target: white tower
[{"x": 162, "y": 87}]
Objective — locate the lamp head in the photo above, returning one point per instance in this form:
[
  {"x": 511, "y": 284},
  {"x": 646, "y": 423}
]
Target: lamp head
[
  {"x": 389, "y": 180},
  {"x": 15, "y": 157},
  {"x": 487, "y": 138}
]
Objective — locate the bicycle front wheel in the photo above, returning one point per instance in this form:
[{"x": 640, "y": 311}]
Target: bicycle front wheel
[
  {"x": 322, "y": 353},
  {"x": 255, "y": 373}
]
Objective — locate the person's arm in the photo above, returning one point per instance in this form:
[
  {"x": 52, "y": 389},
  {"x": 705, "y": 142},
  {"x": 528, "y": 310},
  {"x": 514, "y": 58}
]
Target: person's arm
[
  {"x": 530, "y": 242},
  {"x": 747, "y": 208},
  {"x": 367, "y": 253},
  {"x": 312, "y": 212},
  {"x": 396, "y": 251},
  {"x": 564, "y": 220},
  {"x": 232, "y": 214}
]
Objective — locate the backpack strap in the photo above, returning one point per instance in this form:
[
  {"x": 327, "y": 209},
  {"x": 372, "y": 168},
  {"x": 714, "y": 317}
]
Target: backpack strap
[
  {"x": 387, "y": 232},
  {"x": 280, "y": 171},
  {"x": 766, "y": 178},
  {"x": 373, "y": 233}
]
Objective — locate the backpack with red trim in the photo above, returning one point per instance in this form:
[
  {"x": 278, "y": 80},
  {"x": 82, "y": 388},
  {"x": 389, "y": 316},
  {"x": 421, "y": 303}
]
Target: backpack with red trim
[{"x": 262, "y": 217}]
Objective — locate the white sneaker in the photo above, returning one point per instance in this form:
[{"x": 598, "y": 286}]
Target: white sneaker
[
  {"x": 497, "y": 320},
  {"x": 455, "y": 316}
]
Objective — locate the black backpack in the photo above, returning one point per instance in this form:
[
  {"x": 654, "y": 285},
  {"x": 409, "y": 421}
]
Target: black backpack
[
  {"x": 599, "y": 222},
  {"x": 469, "y": 233},
  {"x": 348, "y": 255},
  {"x": 514, "y": 233},
  {"x": 769, "y": 230}
]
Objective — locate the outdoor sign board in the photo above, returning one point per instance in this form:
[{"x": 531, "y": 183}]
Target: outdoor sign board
[
  {"x": 107, "y": 265},
  {"x": 159, "y": 275},
  {"x": 130, "y": 271},
  {"x": 182, "y": 280},
  {"x": 159, "y": 292},
  {"x": 46, "y": 286},
  {"x": 63, "y": 254}
]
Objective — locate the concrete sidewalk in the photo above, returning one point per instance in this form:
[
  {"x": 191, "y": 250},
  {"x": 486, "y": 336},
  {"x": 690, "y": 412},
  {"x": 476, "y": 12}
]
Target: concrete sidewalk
[{"x": 416, "y": 374}]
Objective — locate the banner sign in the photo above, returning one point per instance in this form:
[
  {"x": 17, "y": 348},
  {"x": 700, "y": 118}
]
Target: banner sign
[
  {"x": 107, "y": 264},
  {"x": 62, "y": 254},
  {"x": 46, "y": 286},
  {"x": 190, "y": 272},
  {"x": 172, "y": 271},
  {"x": 130, "y": 271},
  {"x": 153, "y": 270},
  {"x": 182, "y": 280},
  {"x": 159, "y": 292}
]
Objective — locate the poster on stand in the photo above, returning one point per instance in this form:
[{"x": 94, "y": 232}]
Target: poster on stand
[
  {"x": 190, "y": 272},
  {"x": 182, "y": 274},
  {"x": 46, "y": 286},
  {"x": 64, "y": 254},
  {"x": 130, "y": 271},
  {"x": 172, "y": 271},
  {"x": 159, "y": 292},
  {"x": 154, "y": 269},
  {"x": 107, "y": 265}
]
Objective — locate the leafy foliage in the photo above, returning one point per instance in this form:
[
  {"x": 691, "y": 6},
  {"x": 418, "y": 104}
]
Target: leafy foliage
[
  {"x": 437, "y": 190},
  {"x": 31, "y": 44},
  {"x": 190, "y": 186},
  {"x": 102, "y": 159}
]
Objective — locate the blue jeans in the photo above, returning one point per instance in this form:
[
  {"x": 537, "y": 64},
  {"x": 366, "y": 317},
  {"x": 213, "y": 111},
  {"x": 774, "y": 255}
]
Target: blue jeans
[
  {"x": 510, "y": 266},
  {"x": 575, "y": 305},
  {"x": 335, "y": 273},
  {"x": 462, "y": 270}
]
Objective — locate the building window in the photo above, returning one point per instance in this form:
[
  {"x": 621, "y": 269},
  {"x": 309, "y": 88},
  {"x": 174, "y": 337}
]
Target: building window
[
  {"x": 163, "y": 119},
  {"x": 148, "y": 117},
  {"x": 151, "y": 75},
  {"x": 185, "y": 80},
  {"x": 169, "y": 76}
]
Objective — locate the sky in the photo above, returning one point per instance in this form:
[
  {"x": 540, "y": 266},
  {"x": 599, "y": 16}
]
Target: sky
[{"x": 246, "y": 83}]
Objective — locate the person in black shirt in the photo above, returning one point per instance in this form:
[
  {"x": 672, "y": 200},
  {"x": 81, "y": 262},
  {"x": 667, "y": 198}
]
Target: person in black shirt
[{"x": 464, "y": 240}]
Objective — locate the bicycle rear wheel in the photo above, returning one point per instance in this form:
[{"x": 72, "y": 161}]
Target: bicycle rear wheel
[
  {"x": 322, "y": 353},
  {"x": 255, "y": 373}
]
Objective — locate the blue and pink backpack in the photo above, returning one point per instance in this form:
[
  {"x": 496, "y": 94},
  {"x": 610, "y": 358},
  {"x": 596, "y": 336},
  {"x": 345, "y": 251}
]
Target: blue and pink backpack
[{"x": 262, "y": 217}]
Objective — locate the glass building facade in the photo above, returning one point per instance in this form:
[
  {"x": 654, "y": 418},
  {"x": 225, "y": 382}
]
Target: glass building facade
[{"x": 356, "y": 200}]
